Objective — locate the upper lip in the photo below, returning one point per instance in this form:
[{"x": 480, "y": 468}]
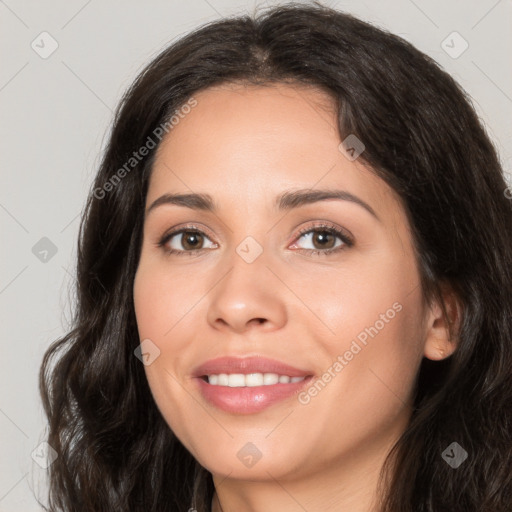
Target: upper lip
[{"x": 245, "y": 365}]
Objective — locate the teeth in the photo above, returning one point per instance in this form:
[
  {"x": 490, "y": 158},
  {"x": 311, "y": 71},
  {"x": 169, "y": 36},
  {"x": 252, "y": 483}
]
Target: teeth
[{"x": 238, "y": 380}]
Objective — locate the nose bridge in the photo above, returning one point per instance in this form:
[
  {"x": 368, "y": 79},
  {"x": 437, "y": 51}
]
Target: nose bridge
[{"x": 247, "y": 294}]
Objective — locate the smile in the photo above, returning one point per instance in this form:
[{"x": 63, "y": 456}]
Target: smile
[
  {"x": 236, "y": 380},
  {"x": 249, "y": 393}
]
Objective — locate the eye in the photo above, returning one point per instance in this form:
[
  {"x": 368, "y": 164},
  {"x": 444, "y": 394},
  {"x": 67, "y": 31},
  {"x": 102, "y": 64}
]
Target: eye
[
  {"x": 324, "y": 239},
  {"x": 185, "y": 241}
]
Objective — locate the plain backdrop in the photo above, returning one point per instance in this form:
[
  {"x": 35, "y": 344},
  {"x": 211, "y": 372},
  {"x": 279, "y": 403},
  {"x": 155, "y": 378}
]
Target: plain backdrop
[{"x": 64, "y": 68}]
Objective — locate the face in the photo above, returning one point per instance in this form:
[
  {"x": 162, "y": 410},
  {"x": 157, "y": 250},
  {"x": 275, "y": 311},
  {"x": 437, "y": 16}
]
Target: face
[{"x": 322, "y": 288}]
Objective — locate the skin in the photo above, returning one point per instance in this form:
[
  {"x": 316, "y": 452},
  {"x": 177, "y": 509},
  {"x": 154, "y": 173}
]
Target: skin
[{"x": 245, "y": 145}]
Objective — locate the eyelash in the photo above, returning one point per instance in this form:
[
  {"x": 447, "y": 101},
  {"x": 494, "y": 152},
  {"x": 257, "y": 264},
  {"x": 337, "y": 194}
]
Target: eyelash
[{"x": 325, "y": 228}]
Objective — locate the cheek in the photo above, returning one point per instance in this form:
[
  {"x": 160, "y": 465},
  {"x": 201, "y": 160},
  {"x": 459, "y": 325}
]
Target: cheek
[
  {"x": 374, "y": 314},
  {"x": 381, "y": 350},
  {"x": 163, "y": 298},
  {"x": 167, "y": 307},
  {"x": 375, "y": 297},
  {"x": 161, "y": 301},
  {"x": 369, "y": 382}
]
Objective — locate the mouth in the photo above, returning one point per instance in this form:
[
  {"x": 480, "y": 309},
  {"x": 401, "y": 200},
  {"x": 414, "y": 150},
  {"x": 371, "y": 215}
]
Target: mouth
[{"x": 248, "y": 385}]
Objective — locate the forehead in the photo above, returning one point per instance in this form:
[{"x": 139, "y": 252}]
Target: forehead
[{"x": 249, "y": 143}]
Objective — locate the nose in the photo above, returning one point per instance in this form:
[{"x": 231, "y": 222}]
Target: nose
[{"x": 248, "y": 297}]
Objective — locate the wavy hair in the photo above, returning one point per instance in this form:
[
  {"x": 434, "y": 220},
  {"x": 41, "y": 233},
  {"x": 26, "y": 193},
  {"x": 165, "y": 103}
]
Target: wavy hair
[{"x": 424, "y": 139}]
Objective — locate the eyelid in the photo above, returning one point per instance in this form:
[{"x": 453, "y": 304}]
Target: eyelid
[
  {"x": 344, "y": 235},
  {"x": 177, "y": 230},
  {"x": 186, "y": 227}
]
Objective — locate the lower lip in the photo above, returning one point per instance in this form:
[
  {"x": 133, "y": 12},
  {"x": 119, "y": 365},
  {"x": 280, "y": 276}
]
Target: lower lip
[{"x": 249, "y": 400}]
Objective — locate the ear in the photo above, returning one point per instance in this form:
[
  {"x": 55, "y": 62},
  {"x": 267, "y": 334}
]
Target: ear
[{"x": 442, "y": 334}]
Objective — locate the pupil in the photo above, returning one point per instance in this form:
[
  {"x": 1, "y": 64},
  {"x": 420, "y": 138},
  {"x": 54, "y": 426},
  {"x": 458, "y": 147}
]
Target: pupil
[
  {"x": 191, "y": 239},
  {"x": 322, "y": 237}
]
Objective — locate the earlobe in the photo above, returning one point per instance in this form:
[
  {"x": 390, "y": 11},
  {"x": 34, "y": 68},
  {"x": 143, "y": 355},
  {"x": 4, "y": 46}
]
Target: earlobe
[
  {"x": 435, "y": 352},
  {"x": 443, "y": 326}
]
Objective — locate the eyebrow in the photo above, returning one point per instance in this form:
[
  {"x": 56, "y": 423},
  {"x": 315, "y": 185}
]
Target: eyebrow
[{"x": 286, "y": 201}]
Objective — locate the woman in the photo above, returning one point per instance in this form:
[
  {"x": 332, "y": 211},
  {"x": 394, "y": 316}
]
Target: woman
[{"x": 294, "y": 286}]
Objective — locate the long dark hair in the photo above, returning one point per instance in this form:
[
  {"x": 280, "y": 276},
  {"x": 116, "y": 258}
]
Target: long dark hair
[{"x": 422, "y": 136}]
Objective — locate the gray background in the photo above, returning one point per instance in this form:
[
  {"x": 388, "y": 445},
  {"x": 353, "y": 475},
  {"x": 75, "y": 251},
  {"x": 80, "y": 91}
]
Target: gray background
[{"x": 56, "y": 112}]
